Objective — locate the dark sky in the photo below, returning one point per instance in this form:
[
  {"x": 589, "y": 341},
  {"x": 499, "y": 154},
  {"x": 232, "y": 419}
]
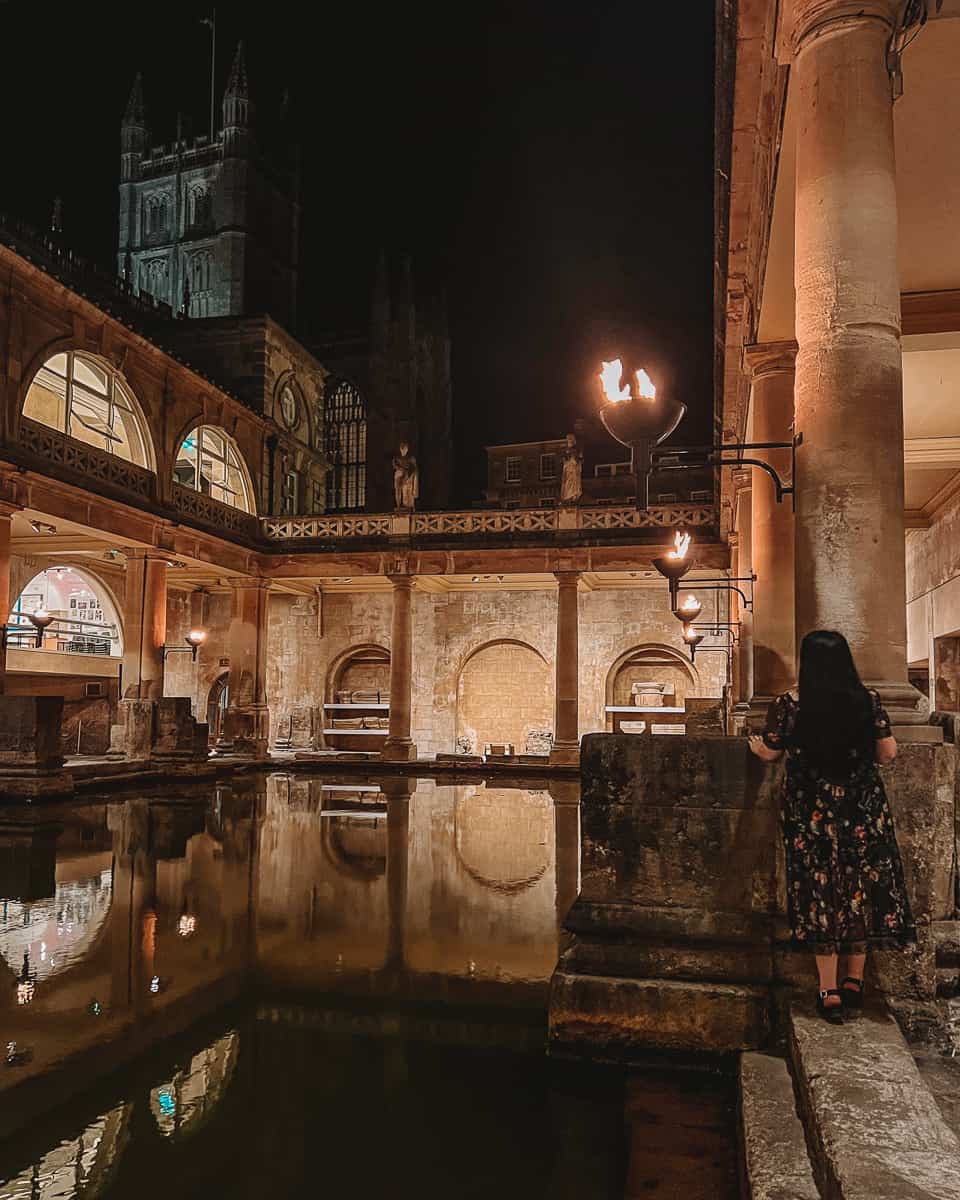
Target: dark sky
[{"x": 548, "y": 161}]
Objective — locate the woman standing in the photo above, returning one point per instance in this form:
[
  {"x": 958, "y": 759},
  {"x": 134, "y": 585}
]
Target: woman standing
[{"x": 845, "y": 888}]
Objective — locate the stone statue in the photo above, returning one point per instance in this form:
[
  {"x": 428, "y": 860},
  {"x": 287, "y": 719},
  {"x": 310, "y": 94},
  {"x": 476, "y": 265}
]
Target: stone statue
[
  {"x": 571, "y": 481},
  {"x": 406, "y": 478}
]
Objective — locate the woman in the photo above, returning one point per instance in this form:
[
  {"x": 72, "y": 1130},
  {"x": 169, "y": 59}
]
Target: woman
[{"x": 845, "y": 887}]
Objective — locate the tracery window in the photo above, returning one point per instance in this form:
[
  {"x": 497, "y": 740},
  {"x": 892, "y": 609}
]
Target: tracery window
[
  {"x": 346, "y": 427},
  {"x": 199, "y": 210},
  {"x": 156, "y": 214},
  {"x": 208, "y": 462},
  {"x": 153, "y": 278},
  {"x": 87, "y": 399}
]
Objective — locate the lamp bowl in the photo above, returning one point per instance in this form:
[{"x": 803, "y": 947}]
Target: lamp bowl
[
  {"x": 672, "y": 568},
  {"x": 641, "y": 419}
]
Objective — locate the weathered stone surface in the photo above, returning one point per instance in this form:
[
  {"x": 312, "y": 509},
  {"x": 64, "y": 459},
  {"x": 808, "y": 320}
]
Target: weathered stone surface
[
  {"x": 31, "y": 761},
  {"x": 775, "y": 1162},
  {"x": 620, "y": 1015},
  {"x": 877, "y": 1133}
]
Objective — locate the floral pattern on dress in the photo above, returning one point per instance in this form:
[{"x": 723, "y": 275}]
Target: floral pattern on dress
[{"x": 845, "y": 885}]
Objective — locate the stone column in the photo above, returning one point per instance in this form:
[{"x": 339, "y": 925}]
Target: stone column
[
  {"x": 566, "y": 732},
  {"x": 144, "y": 625},
  {"x": 566, "y": 826},
  {"x": 399, "y": 747},
  {"x": 850, "y": 528},
  {"x": 774, "y": 621},
  {"x": 6, "y": 520},
  {"x": 247, "y": 719},
  {"x": 744, "y": 567}
]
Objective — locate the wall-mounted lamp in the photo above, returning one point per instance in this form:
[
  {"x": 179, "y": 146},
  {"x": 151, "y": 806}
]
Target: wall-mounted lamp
[
  {"x": 676, "y": 563},
  {"x": 40, "y": 619},
  {"x": 194, "y": 639},
  {"x": 692, "y": 640}
]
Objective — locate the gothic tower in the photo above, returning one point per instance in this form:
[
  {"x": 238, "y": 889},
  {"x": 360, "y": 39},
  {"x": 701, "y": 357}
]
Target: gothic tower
[{"x": 210, "y": 228}]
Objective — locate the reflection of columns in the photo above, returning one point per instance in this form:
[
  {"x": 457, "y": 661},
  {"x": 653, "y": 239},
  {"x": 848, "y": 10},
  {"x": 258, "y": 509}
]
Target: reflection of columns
[
  {"x": 566, "y": 824},
  {"x": 850, "y": 530},
  {"x": 398, "y": 793},
  {"x": 6, "y": 518},
  {"x": 247, "y": 719},
  {"x": 566, "y": 732},
  {"x": 145, "y": 624},
  {"x": 399, "y": 747},
  {"x": 133, "y": 921},
  {"x": 774, "y": 624}
]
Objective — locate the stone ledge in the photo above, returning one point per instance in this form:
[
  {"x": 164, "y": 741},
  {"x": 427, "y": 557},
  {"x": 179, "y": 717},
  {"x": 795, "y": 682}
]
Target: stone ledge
[
  {"x": 775, "y": 1161},
  {"x": 876, "y": 1131}
]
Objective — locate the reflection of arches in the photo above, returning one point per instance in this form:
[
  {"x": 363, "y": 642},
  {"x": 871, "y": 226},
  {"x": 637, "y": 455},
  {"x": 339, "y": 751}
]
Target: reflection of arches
[
  {"x": 209, "y": 462},
  {"x": 180, "y": 1105},
  {"x": 504, "y": 838},
  {"x": 504, "y": 695},
  {"x": 80, "y": 1166},
  {"x": 217, "y": 701},
  {"x": 87, "y": 615},
  {"x": 56, "y": 933},
  {"x": 651, "y": 663},
  {"x": 355, "y": 846},
  {"x": 88, "y": 399}
]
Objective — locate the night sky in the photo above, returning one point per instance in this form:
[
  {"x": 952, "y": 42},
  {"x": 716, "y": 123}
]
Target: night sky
[{"x": 549, "y": 162}]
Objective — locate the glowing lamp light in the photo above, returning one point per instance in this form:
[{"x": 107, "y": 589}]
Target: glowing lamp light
[
  {"x": 25, "y": 990},
  {"x": 676, "y": 562},
  {"x": 155, "y": 985},
  {"x": 690, "y": 609},
  {"x": 195, "y": 638},
  {"x": 187, "y": 925}
]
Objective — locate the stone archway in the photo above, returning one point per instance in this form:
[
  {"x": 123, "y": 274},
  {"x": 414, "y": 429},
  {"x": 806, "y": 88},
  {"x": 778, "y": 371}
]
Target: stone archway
[
  {"x": 652, "y": 664},
  {"x": 505, "y": 696}
]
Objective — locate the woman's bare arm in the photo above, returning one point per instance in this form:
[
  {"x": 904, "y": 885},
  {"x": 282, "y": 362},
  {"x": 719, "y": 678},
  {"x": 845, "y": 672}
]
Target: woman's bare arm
[
  {"x": 886, "y": 749},
  {"x": 762, "y": 750}
]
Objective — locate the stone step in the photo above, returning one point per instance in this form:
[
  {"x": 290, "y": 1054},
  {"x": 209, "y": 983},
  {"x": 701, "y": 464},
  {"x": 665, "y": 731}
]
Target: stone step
[
  {"x": 874, "y": 1129},
  {"x": 946, "y": 938},
  {"x": 775, "y": 1164}
]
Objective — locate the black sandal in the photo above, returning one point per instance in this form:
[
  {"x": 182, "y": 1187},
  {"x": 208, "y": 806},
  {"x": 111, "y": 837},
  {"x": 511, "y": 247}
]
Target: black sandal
[
  {"x": 852, "y": 996},
  {"x": 833, "y": 1014}
]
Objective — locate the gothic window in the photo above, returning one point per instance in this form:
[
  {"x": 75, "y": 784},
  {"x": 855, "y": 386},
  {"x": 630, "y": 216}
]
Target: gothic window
[
  {"x": 157, "y": 214},
  {"x": 199, "y": 209},
  {"x": 87, "y": 399},
  {"x": 208, "y": 462},
  {"x": 346, "y": 426},
  {"x": 153, "y": 278}
]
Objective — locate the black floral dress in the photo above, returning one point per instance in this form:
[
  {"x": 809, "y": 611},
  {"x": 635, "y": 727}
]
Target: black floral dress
[{"x": 845, "y": 888}]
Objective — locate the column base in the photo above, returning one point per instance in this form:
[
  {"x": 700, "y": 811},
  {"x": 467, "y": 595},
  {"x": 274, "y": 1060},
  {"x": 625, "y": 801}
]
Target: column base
[
  {"x": 399, "y": 750},
  {"x": 904, "y": 704},
  {"x": 565, "y": 754}
]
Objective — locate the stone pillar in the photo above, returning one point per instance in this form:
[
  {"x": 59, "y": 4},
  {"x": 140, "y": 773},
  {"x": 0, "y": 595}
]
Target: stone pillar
[
  {"x": 6, "y": 519},
  {"x": 144, "y": 625},
  {"x": 774, "y": 620},
  {"x": 566, "y": 732},
  {"x": 744, "y": 567},
  {"x": 247, "y": 719},
  {"x": 399, "y": 747},
  {"x": 850, "y": 528}
]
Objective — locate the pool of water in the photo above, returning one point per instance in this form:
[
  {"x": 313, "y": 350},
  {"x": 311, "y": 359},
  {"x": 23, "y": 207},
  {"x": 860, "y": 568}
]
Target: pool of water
[{"x": 283, "y": 984}]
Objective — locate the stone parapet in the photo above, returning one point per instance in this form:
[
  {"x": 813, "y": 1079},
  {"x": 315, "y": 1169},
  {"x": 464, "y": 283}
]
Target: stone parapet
[{"x": 31, "y": 759}]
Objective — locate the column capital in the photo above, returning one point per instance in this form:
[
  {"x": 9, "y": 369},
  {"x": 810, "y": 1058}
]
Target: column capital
[
  {"x": 810, "y": 19},
  {"x": 402, "y": 581},
  {"x": 769, "y": 358},
  {"x": 567, "y": 578},
  {"x": 236, "y": 582}
]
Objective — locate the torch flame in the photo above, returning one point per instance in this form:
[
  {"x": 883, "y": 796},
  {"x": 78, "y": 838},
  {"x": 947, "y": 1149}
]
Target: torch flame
[
  {"x": 645, "y": 385},
  {"x": 681, "y": 544},
  {"x": 610, "y": 378},
  {"x": 690, "y": 603}
]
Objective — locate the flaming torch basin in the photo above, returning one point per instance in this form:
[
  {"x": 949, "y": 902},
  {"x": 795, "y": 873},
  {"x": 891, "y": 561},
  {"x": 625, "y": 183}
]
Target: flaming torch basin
[{"x": 640, "y": 422}]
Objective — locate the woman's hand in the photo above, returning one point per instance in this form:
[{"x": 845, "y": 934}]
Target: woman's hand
[{"x": 760, "y": 748}]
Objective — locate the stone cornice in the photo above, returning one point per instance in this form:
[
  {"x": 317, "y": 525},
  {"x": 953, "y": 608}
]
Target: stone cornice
[{"x": 769, "y": 358}]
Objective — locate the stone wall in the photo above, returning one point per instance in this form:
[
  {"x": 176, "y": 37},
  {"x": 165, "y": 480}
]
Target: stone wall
[
  {"x": 483, "y": 661},
  {"x": 183, "y": 676},
  {"x": 933, "y": 587}
]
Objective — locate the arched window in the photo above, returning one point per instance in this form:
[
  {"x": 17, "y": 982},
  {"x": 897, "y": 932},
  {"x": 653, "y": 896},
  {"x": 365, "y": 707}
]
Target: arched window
[
  {"x": 87, "y": 399},
  {"x": 199, "y": 206},
  {"x": 85, "y": 620},
  {"x": 208, "y": 462},
  {"x": 157, "y": 214},
  {"x": 346, "y": 426}
]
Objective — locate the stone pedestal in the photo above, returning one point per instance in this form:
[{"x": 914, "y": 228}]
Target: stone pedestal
[
  {"x": 31, "y": 759},
  {"x": 672, "y": 932},
  {"x": 399, "y": 745},
  {"x": 850, "y": 567},
  {"x": 566, "y": 742},
  {"x": 246, "y": 729}
]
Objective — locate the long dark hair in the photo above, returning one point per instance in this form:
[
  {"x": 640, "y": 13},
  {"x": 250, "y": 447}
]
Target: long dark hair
[{"x": 836, "y": 711}]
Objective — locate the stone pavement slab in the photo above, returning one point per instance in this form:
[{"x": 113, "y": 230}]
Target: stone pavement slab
[
  {"x": 875, "y": 1130},
  {"x": 775, "y": 1161}
]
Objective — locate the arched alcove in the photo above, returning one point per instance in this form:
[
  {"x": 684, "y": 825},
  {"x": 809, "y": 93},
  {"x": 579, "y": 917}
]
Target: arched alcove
[
  {"x": 88, "y": 399},
  {"x": 360, "y": 669},
  {"x": 505, "y": 696},
  {"x": 356, "y": 846},
  {"x": 208, "y": 461},
  {"x": 652, "y": 664}
]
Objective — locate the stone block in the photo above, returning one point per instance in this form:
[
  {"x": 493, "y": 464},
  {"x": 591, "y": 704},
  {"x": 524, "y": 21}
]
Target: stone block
[
  {"x": 775, "y": 1161},
  {"x": 136, "y": 725},
  {"x": 31, "y": 761},
  {"x": 177, "y": 737}
]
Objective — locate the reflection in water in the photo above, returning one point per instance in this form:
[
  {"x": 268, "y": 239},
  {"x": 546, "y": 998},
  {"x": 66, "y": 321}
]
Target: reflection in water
[
  {"x": 52, "y": 935},
  {"x": 81, "y": 1166},
  {"x": 180, "y": 1104},
  {"x": 400, "y": 935}
]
